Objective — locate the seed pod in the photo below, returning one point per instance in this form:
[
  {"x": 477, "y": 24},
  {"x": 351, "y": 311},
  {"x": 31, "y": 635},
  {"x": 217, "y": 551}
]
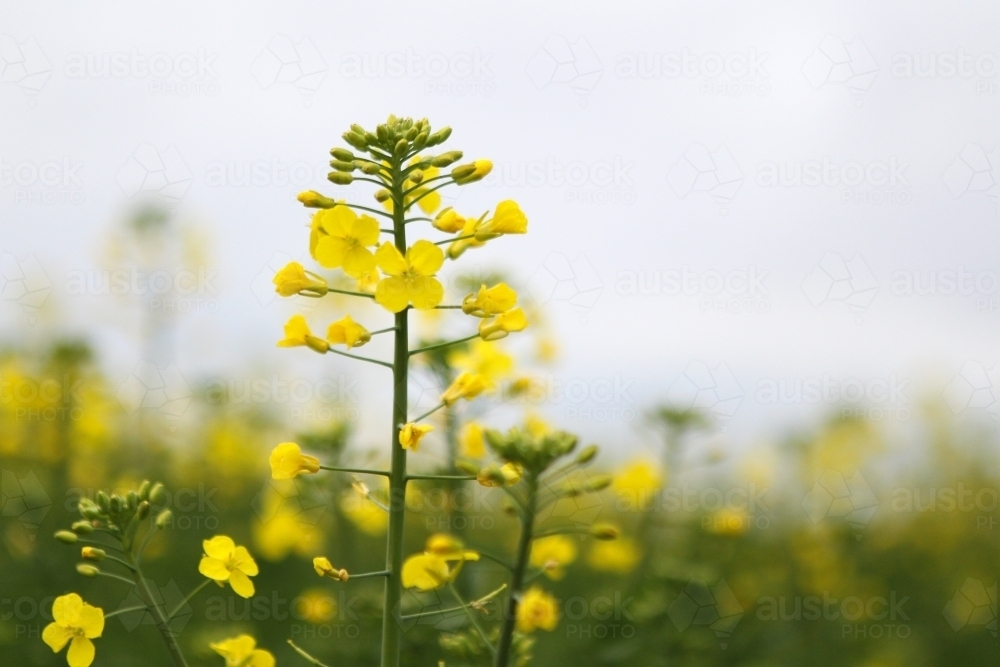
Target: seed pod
[
  {"x": 339, "y": 178},
  {"x": 66, "y": 536}
]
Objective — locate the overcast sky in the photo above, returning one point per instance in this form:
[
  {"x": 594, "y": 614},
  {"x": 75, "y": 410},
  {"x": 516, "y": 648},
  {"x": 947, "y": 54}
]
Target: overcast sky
[{"x": 726, "y": 200}]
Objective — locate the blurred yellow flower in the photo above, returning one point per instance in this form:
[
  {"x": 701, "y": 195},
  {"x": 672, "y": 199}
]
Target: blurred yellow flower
[
  {"x": 368, "y": 517},
  {"x": 242, "y": 651},
  {"x": 316, "y": 606},
  {"x": 636, "y": 484},
  {"x": 485, "y": 359},
  {"x": 479, "y": 170},
  {"x": 618, "y": 556},
  {"x": 491, "y": 301},
  {"x": 506, "y": 475},
  {"x": 448, "y": 220},
  {"x": 288, "y": 461},
  {"x": 507, "y": 219},
  {"x": 537, "y": 609},
  {"x": 552, "y": 554},
  {"x": 471, "y": 442},
  {"x": 536, "y": 426},
  {"x": 440, "y": 562},
  {"x": 503, "y": 324},
  {"x": 75, "y": 623},
  {"x": 456, "y": 248},
  {"x": 411, "y": 434},
  {"x": 727, "y": 521},
  {"x": 224, "y": 561},
  {"x": 325, "y": 568},
  {"x": 284, "y": 532},
  {"x": 466, "y": 385},
  {"x": 297, "y": 334},
  {"x": 411, "y": 278},
  {"x": 347, "y": 332},
  {"x": 343, "y": 242}
]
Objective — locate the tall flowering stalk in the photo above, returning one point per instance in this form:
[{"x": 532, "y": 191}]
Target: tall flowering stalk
[{"x": 398, "y": 276}]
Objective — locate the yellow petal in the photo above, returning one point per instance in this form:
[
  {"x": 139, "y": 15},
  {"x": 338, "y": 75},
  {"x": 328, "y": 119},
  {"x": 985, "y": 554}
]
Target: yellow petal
[
  {"x": 358, "y": 261},
  {"x": 430, "y": 203},
  {"x": 66, "y": 609},
  {"x": 330, "y": 251},
  {"x": 337, "y": 221},
  {"x": 56, "y": 636},
  {"x": 391, "y": 294},
  {"x": 220, "y": 547},
  {"x": 81, "y": 652},
  {"x": 424, "y": 293},
  {"x": 261, "y": 658},
  {"x": 390, "y": 260},
  {"x": 91, "y": 621},
  {"x": 241, "y": 584},
  {"x": 424, "y": 258},
  {"x": 296, "y": 331},
  {"x": 425, "y": 571},
  {"x": 244, "y": 562},
  {"x": 213, "y": 568},
  {"x": 366, "y": 230}
]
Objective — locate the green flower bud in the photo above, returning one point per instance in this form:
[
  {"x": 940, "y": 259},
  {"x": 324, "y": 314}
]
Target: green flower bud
[
  {"x": 83, "y": 528},
  {"x": 87, "y": 570},
  {"x": 102, "y": 501},
  {"x": 313, "y": 199},
  {"x": 371, "y": 168},
  {"x": 447, "y": 159},
  {"x": 464, "y": 171},
  {"x": 371, "y": 139},
  {"x": 157, "y": 494},
  {"x": 143, "y": 510},
  {"x": 132, "y": 500},
  {"x": 144, "y": 490},
  {"x": 342, "y": 154},
  {"x": 117, "y": 504},
  {"x": 356, "y": 140},
  {"x": 467, "y": 467},
  {"x": 382, "y": 195},
  {"x": 93, "y": 554},
  {"x": 416, "y": 176},
  {"x": 439, "y": 137},
  {"x": 411, "y": 134},
  {"x": 599, "y": 482},
  {"x": 164, "y": 519},
  {"x": 66, "y": 536},
  {"x": 339, "y": 178},
  {"x": 605, "y": 531},
  {"x": 343, "y": 166},
  {"x": 401, "y": 146},
  {"x": 357, "y": 129},
  {"x": 420, "y": 141},
  {"x": 587, "y": 455},
  {"x": 382, "y": 132}
]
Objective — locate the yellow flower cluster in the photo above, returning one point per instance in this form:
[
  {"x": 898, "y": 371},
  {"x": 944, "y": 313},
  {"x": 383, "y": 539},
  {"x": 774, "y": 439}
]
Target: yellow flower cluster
[{"x": 345, "y": 332}]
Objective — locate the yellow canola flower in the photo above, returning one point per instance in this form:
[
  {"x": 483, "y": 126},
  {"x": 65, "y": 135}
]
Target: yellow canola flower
[
  {"x": 456, "y": 248},
  {"x": 536, "y": 426},
  {"x": 242, "y": 651},
  {"x": 224, "y": 561},
  {"x": 411, "y": 434},
  {"x": 507, "y": 219},
  {"x": 74, "y": 622},
  {"x": 503, "y": 324},
  {"x": 367, "y": 516},
  {"x": 347, "y": 332},
  {"x": 507, "y": 475},
  {"x": 343, "y": 238},
  {"x": 325, "y": 568},
  {"x": 552, "y": 554},
  {"x": 411, "y": 278},
  {"x": 368, "y": 282},
  {"x": 293, "y": 279},
  {"x": 485, "y": 359},
  {"x": 448, "y": 220},
  {"x": 537, "y": 609},
  {"x": 297, "y": 334},
  {"x": 313, "y": 199},
  {"x": 283, "y": 532},
  {"x": 618, "y": 556},
  {"x": 471, "y": 442},
  {"x": 288, "y": 461},
  {"x": 466, "y": 385},
  {"x": 480, "y": 169},
  {"x": 639, "y": 478},
  {"x": 439, "y": 564},
  {"x": 489, "y": 301}
]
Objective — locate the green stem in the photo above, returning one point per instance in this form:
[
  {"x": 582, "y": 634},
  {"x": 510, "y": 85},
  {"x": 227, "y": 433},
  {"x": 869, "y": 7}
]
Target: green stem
[
  {"x": 350, "y": 293},
  {"x": 361, "y": 471},
  {"x": 382, "y": 331},
  {"x": 188, "y": 598},
  {"x": 308, "y": 658},
  {"x": 125, "y": 611},
  {"x": 428, "y": 413},
  {"x": 440, "y": 345},
  {"x": 517, "y": 577},
  {"x": 455, "y": 238},
  {"x": 365, "y": 208},
  {"x": 392, "y": 631},
  {"x": 366, "y": 575},
  {"x": 102, "y": 573},
  {"x": 162, "y": 621},
  {"x": 473, "y": 619},
  {"x": 354, "y": 356},
  {"x": 443, "y": 478}
]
